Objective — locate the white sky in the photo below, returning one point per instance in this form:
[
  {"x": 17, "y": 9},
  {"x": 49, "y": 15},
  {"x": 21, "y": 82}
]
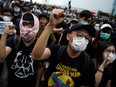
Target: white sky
[{"x": 94, "y": 5}]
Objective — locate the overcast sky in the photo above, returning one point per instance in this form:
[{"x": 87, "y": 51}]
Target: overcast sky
[{"x": 94, "y": 5}]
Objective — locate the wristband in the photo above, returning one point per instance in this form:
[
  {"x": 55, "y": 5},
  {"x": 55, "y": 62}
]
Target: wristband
[{"x": 100, "y": 70}]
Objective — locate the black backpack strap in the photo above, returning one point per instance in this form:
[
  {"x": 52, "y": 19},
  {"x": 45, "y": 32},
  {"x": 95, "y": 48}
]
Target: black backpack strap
[{"x": 17, "y": 40}]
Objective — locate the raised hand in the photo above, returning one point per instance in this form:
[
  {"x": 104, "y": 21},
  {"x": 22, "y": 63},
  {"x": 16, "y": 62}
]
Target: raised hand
[{"x": 57, "y": 16}]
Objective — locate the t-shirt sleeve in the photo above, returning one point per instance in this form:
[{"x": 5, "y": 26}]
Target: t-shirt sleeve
[
  {"x": 10, "y": 42},
  {"x": 53, "y": 49}
]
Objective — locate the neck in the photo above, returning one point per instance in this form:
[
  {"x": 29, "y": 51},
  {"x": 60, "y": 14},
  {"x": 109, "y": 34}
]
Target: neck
[
  {"x": 28, "y": 43},
  {"x": 42, "y": 27},
  {"x": 71, "y": 53}
]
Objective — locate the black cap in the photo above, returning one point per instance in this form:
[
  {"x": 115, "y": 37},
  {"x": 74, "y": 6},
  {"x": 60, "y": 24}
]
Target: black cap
[
  {"x": 43, "y": 15},
  {"x": 28, "y": 17},
  {"x": 16, "y": 4},
  {"x": 87, "y": 27}
]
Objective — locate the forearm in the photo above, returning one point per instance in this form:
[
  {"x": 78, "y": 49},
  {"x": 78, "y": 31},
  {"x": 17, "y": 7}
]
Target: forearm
[
  {"x": 98, "y": 75},
  {"x": 42, "y": 42},
  {"x": 2, "y": 47}
]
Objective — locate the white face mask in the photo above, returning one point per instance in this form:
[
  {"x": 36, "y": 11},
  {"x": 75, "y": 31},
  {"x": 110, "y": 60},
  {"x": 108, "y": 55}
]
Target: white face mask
[
  {"x": 96, "y": 27},
  {"x": 6, "y": 18},
  {"x": 84, "y": 22},
  {"x": 112, "y": 57},
  {"x": 79, "y": 44}
]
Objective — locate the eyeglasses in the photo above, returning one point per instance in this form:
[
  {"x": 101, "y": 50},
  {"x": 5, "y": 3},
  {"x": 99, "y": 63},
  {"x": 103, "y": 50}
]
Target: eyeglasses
[
  {"x": 28, "y": 23},
  {"x": 80, "y": 36}
]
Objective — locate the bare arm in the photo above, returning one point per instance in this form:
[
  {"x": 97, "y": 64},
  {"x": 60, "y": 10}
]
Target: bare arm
[
  {"x": 40, "y": 51},
  {"x": 99, "y": 73},
  {"x": 4, "y": 50}
]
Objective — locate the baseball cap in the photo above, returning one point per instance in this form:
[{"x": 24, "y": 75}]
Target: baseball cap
[
  {"x": 87, "y": 27},
  {"x": 106, "y": 26},
  {"x": 28, "y": 17}
]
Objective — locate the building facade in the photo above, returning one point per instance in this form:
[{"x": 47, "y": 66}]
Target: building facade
[{"x": 114, "y": 8}]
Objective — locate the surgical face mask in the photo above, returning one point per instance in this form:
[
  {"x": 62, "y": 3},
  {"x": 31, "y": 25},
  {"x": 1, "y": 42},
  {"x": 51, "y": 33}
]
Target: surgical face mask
[
  {"x": 96, "y": 27},
  {"x": 84, "y": 22},
  {"x": 44, "y": 11},
  {"x": 112, "y": 57},
  {"x": 6, "y": 18},
  {"x": 49, "y": 12},
  {"x": 104, "y": 36},
  {"x": 17, "y": 10},
  {"x": 79, "y": 44}
]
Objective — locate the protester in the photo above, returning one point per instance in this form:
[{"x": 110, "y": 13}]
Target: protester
[
  {"x": 62, "y": 39},
  {"x": 69, "y": 61},
  {"x": 69, "y": 5},
  {"x": 106, "y": 54},
  {"x": 85, "y": 16},
  {"x": 44, "y": 19},
  {"x": 104, "y": 34},
  {"x": 22, "y": 70}
]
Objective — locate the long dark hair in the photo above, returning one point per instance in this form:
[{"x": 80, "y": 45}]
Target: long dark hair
[{"x": 99, "y": 51}]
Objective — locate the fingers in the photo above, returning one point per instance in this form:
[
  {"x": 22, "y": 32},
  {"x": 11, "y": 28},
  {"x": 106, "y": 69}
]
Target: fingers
[
  {"x": 57, "y": 13},
  {"x": 9, "y": 29}
]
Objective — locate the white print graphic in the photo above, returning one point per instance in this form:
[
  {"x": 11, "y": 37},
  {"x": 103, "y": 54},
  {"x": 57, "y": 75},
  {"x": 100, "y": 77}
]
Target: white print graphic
[{"x": 23, "y": 64}]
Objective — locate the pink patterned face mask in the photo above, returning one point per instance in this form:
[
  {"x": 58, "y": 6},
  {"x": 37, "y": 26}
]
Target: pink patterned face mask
[{"x": 26, "y": 32}]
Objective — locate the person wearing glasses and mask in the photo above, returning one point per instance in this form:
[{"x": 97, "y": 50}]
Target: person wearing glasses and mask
[
  {"x": 21, "y": 68},
  {"x": 69, "y": 61}
]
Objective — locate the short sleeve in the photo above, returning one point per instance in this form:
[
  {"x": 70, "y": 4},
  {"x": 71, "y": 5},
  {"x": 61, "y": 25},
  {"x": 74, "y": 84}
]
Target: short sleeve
[{"x": 10, "y": 42}]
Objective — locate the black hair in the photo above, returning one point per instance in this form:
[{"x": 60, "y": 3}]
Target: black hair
[
  {"x": 1, "y": 6},
  {"x": 101, "y": 48},
  {"x": 8, "y": 9},
  {"x": 1, "y": 19},
  {"x": 85, "y": 13},
  {"x": 43, "y": 15}
]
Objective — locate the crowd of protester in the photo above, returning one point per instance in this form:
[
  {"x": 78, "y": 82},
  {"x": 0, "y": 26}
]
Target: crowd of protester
[{"x": 53, "y": 46}]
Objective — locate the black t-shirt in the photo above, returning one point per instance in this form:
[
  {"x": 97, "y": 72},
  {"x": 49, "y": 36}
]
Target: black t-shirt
[
  {"x": 106, "y": 76},
  {"x": 71, "y": 67},
  {"x": 21, "y": 67},
  {"x": 113, "y": 76}
]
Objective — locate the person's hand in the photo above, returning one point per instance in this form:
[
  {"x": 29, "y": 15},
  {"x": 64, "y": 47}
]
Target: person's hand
[
  {"x": 57, "y": 16},
  {"x": 106, "y": 60},
  {"x": 9, "y": 29}
]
